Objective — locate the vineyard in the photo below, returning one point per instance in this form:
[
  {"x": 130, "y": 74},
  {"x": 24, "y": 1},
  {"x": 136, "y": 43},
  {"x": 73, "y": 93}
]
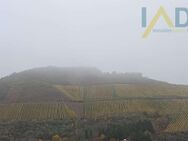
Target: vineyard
[
  {"x": 53, "y": 111},
  {"x": 105, "y": 101},
  {"x": 74, "y": 93},
  {"x": 99, "y": 109},
  {"x": 109, "y": 108},
  {"x": 78, "y": 93}
]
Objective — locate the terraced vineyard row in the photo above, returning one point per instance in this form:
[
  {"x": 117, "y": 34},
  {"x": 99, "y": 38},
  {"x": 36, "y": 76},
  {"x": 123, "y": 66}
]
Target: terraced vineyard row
[
  {"x": 97, "y": 109},
  {"x": 77, "y": 93},
  {"x": 45, "y": 111}
]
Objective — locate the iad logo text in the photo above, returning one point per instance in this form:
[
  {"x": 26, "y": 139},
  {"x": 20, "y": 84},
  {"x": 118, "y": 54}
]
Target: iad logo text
[{"x": 179, "y": 24}]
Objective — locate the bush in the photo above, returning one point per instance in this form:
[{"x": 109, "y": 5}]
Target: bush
[{"x": 56, "y": 138}]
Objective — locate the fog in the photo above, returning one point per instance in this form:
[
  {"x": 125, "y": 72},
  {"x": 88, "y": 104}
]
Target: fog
[{"x": 106, "y": 34}]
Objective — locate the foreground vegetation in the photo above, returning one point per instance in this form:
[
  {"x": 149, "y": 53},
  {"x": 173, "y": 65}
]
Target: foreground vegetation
[{"x": 115, "y": 129}]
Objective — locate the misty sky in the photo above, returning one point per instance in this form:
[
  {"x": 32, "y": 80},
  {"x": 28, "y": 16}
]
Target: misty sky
[{"x": 106, "y": 34}]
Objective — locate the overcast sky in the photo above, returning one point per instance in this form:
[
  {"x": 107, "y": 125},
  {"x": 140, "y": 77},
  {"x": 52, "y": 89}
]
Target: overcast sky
[{"x": 106, "y": 34}]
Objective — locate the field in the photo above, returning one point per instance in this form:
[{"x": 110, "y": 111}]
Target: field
[
  {"x": 98, "y": 109},
  {"x": 102, "y": 101},
  {"x": 53, "y": 111},
  {"x": 105, "y": 101},
  {"x": 129, "y": 91}
]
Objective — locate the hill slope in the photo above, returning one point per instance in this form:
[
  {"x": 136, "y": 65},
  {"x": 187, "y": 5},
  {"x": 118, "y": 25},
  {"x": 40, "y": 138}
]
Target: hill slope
[{"x": 43, "y": 84}]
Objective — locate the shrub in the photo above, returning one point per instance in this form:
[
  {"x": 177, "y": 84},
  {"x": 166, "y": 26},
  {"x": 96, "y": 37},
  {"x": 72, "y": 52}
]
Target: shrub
[{"x": 56, "y": 138}]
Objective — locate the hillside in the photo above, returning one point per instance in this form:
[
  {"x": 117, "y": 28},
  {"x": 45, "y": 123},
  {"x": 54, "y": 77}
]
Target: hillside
[
  {"x": 52, "y": 84},
  {"x": 39, "y": 85},
  {"x": 53, "y": 94}
]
